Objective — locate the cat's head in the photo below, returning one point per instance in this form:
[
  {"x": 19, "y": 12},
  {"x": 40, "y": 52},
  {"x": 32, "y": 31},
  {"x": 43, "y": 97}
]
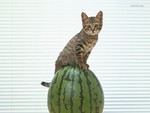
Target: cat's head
[{"x": 92, "y": 25}]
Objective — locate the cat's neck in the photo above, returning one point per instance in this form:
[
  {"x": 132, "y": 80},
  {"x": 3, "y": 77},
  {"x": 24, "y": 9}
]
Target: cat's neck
[{"x": 85, "y": 35}]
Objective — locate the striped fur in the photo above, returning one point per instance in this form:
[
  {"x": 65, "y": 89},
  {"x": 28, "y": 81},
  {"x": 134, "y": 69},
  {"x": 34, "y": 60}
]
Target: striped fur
[{"x": 73, "y": 90}]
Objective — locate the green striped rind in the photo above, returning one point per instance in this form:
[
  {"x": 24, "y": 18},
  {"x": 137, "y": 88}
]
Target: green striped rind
[{"x": 73, "y": 90}]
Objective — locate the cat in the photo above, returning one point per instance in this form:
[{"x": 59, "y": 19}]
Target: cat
[{"x": 78, "y": 49}]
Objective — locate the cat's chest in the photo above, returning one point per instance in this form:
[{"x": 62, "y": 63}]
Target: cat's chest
[{"x": 90, "y": 44}]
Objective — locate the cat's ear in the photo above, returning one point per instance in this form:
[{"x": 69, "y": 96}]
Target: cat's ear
[
  {"x": 84, "y": 17},
  {"x": 100, "y": 15}
]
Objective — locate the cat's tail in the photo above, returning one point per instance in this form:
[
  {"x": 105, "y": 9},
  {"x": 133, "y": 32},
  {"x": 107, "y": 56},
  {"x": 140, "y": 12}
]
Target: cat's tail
[
  {"x": 58, "y": 66},
  {"x": 46, "y": 84}
]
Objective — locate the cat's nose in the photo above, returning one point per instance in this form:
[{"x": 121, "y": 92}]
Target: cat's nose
[{"x": 93, "y": 30}]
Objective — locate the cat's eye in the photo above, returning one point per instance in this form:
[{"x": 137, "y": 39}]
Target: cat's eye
[
  {"x": 88, "y": 26},
  {"x": 96, "y": 25}
]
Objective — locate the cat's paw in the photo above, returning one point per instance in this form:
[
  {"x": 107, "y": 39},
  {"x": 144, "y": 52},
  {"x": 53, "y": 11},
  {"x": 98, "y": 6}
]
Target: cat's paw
[
  {"x": 87, "y": 65},
  {"x": 84, "y": 66}
]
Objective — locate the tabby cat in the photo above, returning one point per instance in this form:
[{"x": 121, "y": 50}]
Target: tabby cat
[{"x": 77, "y": 50}]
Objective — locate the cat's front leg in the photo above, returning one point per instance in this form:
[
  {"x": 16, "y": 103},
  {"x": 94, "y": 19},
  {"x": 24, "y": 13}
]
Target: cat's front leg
[
  {"x": 80, "y": 55},
  {"x": 82, "y": 66},
  {"x": 86, "y": 55},
  {"x": 80, "y": 62}
]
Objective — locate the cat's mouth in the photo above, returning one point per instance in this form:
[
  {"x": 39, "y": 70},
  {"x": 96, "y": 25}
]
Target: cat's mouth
[{"x": 93, "y": 32}]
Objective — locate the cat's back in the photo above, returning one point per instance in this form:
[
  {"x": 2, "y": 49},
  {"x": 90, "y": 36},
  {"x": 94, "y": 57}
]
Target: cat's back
[
  {"x": 67, "y": 55},
  {"x": 71, "y": 43}
]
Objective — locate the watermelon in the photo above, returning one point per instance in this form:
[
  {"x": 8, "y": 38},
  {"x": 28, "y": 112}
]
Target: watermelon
[{"x": 74, "y": 90}]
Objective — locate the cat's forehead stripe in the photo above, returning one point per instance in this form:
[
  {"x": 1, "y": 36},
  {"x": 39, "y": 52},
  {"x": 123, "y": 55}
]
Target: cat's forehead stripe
[{"x": 92, "y": 20}]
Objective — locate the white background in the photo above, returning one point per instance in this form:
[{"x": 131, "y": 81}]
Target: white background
[{"x": 33, "y": 32}]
